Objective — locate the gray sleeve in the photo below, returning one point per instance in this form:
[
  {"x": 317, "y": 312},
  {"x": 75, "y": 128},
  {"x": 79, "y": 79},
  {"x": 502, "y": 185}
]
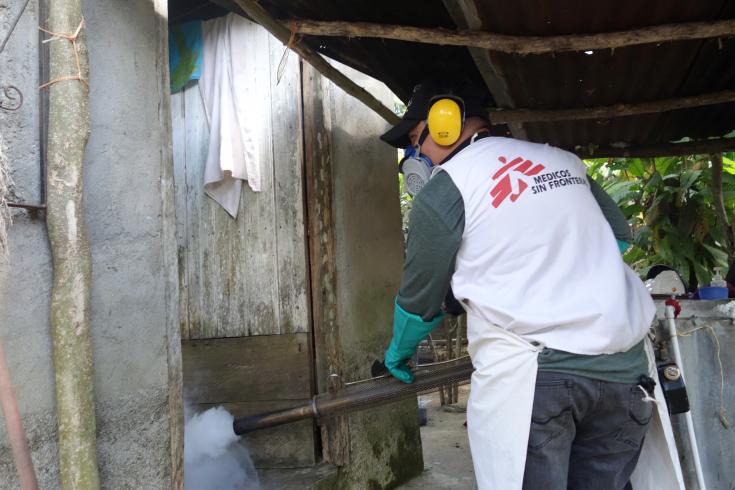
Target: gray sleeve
[
  {"x": 612, "y": 213},
  {"x": 434, "y": 235}
]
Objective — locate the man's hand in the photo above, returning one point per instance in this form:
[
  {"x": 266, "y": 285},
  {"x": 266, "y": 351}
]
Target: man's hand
[
  {"x": 396, "y": 366},
  {"x": 408, "y": 331}
]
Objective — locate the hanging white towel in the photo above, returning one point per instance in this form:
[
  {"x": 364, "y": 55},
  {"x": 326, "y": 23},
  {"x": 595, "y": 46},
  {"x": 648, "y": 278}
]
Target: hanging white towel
[{"x": 230, "y": 107}]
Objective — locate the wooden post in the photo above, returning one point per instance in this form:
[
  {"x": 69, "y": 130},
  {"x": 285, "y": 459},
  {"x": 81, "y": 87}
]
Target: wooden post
[
  {"x": 170, "y": 255},
  {"x": 435, "y": 356},
  {"x": 68, "y": 131},
  {"x": 323, "y": 268},
  {"x": 452, "y": 327},
  {"x": 458, "y": 351}
]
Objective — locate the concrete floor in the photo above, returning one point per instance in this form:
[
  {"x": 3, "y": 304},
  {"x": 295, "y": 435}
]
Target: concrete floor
[{"x": 447, "y": 460}]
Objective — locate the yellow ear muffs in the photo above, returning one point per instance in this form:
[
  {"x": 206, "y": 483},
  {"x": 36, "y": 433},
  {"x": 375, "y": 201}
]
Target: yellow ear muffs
[{"x": 445, "y": 120}]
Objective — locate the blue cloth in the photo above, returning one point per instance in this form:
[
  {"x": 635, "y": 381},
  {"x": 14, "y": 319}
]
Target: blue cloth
[{"x": 185, "y": 53}]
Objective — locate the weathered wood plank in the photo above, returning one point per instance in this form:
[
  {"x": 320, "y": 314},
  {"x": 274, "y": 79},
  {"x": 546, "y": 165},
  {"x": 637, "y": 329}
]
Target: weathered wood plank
[
  {"x": 257, "y": 271},
  {"x": 322, "y": 251},
  {"x": 247, "y": 369},
  {"x": 248, "y": 277},
  {"x": 195, "y": 154},
  {"x": 288, "y": 161},
  {"x": 245, "y": 276},
  {"x": 171, "y": 279},
  {"x": 178, "y": 137},
  {"x": 256, "y": 11},
  {"x": 289, "y": 446}
]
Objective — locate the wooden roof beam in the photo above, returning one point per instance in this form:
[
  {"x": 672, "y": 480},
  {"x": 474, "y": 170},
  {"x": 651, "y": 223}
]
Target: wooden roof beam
[
  {"x": 509, "y": 116},
  {"x": 701, "y": 147},
  {"x": 465, "y": 16},
  {"x": 470, "y": 36}
]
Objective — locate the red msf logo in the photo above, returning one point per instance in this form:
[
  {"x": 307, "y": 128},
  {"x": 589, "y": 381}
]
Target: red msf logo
[{"x": 511, "y": 179}]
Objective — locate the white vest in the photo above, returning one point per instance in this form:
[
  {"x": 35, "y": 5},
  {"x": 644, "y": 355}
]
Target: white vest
[{"x": 537, "y": 256}]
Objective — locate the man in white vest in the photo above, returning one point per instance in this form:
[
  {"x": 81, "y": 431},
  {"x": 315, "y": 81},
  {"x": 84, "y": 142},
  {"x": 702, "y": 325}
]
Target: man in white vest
[{"x": 557, "y": 323}]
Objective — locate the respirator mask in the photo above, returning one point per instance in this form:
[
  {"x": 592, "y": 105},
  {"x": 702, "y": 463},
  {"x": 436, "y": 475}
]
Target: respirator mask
[{"x": 416, "y": 167}]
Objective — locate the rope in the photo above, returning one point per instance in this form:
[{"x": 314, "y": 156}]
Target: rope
[
  {"x": 294, "y": 31},
  {"x": 724, "y": 420},
  {"x": 72, "y": 38}
]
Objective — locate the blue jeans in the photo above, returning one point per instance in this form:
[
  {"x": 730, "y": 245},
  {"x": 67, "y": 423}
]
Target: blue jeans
[{"x": 585, "y": 433}]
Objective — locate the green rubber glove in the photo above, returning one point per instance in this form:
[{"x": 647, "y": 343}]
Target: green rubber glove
[
  {"x": 623, "y": 246},
  {"x": 408, "y": 331}
]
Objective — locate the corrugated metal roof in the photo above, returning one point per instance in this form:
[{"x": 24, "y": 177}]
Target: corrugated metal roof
[
  {"x": 565, "y": 80},
  {"x": 626, "y": 75}
]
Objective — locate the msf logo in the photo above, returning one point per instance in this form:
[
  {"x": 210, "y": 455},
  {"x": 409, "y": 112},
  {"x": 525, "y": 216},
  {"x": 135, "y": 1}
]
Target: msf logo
[{"x": 509, "y": 179}]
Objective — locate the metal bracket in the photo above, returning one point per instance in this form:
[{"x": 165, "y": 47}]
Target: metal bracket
[{"x": 30, "y": 207}]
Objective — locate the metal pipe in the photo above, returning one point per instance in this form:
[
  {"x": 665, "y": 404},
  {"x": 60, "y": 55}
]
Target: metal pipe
[
  {"x": 43, "y": 98},
  {"x": 43, "y": 70},
  {"x": 671, "y": 323},
  {"x": 361, "y": 395},
  {"x": 30, "y": 207},
  {"x": 14, "y": 426},
  {"x": 271, "y": 419}
]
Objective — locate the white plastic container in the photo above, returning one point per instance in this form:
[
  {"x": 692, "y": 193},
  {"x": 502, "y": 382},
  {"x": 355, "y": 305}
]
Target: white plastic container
[{"x": 717, "y": 280}]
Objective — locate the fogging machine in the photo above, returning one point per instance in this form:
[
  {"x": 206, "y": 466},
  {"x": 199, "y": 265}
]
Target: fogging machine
[{"x": 364, "y": 394}]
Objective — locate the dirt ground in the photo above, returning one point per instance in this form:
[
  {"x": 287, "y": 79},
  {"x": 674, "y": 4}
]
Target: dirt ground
[{"x": 447, "y": 460}]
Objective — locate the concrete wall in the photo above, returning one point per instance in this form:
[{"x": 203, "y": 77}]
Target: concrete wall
[
  {"x": 129, "y": 212},
  {"x": 703, "y": 380},
  {"x": 385, "y": 444}
]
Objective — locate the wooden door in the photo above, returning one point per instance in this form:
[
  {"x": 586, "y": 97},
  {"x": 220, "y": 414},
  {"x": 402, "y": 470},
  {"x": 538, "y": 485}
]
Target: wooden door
[{"x": 244, "y": 282}]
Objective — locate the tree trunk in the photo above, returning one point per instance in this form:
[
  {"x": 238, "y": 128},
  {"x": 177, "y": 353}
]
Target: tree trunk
[
  {"x": 719, "y": 204},
  {"x": 68, "y": 131},
  {"x": 693, "y": 282}
]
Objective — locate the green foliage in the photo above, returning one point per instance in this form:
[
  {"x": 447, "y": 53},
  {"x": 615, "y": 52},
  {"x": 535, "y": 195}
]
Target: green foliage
[
  {"x": 406, "y": 201},
  {"x": 399, "y": 108},
  {"x": 669, "y": 204}
]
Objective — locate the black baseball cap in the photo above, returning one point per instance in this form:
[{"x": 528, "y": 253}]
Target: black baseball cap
[{"x": 418, "y": 107}]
